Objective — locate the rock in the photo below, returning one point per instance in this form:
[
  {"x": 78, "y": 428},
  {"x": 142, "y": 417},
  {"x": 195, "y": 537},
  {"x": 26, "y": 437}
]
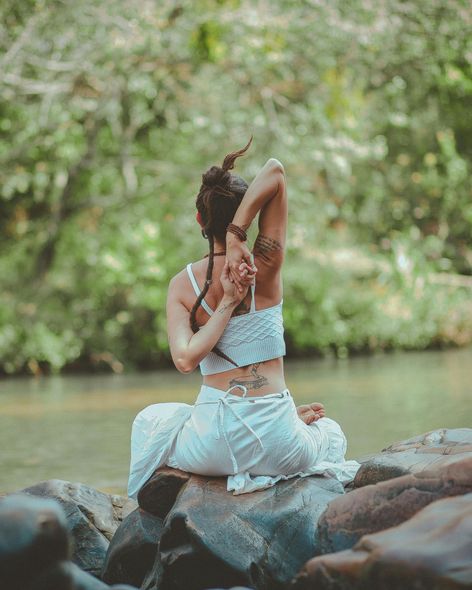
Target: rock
[
  {"x": 33, "y": 536},
  {"x": 438, "y": 447},
  {"x": 92, "y": 516},
  {"x": 432, "y": 550},
  {"x": 376, "y": 507},
  {"x": 133, "y": 549},
  {"x": 34, "y": 546},
  {"x": 153, "y": 578},
  {"x": 67, "y": 576},
  {"x": 158, "y": 494},
  {"x": 214, "y": 539}
]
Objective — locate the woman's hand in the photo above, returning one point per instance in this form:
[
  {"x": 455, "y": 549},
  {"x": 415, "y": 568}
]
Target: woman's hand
[
  {"x": 230, "y": 289},
  {"x": 240, "y": 262}
]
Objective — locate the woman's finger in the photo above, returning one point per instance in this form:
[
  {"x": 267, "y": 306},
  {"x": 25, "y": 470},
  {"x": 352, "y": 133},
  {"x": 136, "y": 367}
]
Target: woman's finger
[
  {"x": 247, "y": 272},
  {"x": 237, "y": 281},
  {"x": 244, "y": 265}
]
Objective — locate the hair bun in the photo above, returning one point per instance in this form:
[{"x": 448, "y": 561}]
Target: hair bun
[{"x": 215, "y": 176}]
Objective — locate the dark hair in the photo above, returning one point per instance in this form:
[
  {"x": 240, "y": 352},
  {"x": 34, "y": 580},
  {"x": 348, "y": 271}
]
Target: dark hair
[{"x": 217, "y": 202}]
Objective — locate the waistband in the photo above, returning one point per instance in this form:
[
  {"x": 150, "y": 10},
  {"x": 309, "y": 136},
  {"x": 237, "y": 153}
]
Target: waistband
[{"x": 209, "y": 394}]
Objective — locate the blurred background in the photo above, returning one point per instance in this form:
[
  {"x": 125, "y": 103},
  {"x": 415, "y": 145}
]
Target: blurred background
[{"x": 110, "y": 111}]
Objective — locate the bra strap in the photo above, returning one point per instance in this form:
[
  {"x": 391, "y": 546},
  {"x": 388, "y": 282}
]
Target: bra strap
[
  {"x": 191, "y": 276},
  {"x": 253, "y": 298},
  {"x": 253, "y": 290}
]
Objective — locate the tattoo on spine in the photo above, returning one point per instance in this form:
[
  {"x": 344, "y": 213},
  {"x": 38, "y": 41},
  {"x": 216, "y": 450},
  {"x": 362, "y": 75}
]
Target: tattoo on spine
[
  {"x": 265, "y": 246},
  {"x": 252, "y": 381}
]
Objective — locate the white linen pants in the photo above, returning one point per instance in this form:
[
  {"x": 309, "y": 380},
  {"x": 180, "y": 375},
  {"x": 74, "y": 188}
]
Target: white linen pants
[{"x": 255, "y": 441}]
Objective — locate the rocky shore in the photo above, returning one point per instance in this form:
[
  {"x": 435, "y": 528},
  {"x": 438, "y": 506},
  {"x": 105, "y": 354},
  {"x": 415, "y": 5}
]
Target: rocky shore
[{"x": 404, "y": 522}]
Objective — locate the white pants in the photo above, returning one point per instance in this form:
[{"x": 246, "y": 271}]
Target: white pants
[{"x": 256, "y": 441}]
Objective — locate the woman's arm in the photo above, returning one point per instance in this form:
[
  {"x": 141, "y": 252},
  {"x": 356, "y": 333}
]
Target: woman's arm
[
  {"x": 267, "y": 194},
  {"x": 188, "y": 349}
]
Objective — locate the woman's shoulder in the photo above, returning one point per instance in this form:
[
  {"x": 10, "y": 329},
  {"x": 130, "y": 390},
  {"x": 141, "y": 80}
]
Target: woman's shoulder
[
  {"x": 182, "y": 277},
  {"x": 178, "y": 279}
]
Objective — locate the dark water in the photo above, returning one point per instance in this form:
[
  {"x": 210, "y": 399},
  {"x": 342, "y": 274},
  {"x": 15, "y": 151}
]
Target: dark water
[{"x": 77, "y": 428}]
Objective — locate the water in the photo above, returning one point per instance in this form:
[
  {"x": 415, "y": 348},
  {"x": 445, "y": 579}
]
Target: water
[{"x": 77, "y": 428}]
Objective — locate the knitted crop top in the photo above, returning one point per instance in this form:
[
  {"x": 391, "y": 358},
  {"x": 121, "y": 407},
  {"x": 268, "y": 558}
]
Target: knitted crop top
[{"x": 249, "y": 338}]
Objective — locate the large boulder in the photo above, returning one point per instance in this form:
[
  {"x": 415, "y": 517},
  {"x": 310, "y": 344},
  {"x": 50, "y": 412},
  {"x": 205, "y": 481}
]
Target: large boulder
[
  {"x": 92, "y": 517},
  {"x": 376, "y": 507},
  {"x": 35, "y": 547},
  {"x": 133, "y": 549},
  {"x": 422, "y": 452},
  {"x": 431, "y": 551},
  {"x": 212, "y": 538},
  {"x": 33, "y": 537}
]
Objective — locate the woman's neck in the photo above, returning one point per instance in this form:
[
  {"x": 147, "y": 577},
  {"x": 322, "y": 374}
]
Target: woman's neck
[{"x": 219, "y": 246}]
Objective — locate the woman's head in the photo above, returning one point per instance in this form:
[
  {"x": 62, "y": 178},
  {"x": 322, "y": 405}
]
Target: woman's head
[{"x": 220, "y": 195}]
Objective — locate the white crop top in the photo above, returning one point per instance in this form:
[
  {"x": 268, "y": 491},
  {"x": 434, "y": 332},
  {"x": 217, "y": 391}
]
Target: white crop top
[{"x": 249, "y": 338}]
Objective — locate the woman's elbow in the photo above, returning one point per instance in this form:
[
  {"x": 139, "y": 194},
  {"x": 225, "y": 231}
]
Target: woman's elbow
[
  {"x": 275, "y": 165},
  {"x": 183, "y": 365}
]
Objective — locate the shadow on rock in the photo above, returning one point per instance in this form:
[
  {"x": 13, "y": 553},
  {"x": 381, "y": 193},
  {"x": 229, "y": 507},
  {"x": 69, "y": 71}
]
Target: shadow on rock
[{"x": 133, "y": 549}]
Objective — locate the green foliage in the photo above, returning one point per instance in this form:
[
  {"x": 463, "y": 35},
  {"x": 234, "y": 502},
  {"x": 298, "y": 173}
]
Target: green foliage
[
  {"x": 393, "y": 303},
  {"x": 110, "y": 112}
]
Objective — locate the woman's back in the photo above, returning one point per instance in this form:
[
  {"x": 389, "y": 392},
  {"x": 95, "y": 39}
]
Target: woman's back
[
  {"x": 250, "y": 337},
  {"x": 255, "y": 330}
]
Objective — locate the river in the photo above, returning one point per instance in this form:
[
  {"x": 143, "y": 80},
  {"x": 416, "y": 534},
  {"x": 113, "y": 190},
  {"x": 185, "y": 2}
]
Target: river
[{"x": 77, "y": 427}]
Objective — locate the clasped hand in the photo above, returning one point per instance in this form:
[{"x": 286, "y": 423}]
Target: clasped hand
[
  {"x": 239, "y": 271},
  {"x": 241, "y": 267}
]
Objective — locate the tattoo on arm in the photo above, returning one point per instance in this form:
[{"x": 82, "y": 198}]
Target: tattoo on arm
[
  {"x": 224, "y": 307},
  {"x": 265, "y": 246},
  {"x": 252, "y": 380}
]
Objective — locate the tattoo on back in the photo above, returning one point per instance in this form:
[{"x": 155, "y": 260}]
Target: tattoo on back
[
  {"x": 252, "y": 380},
  {"x": 265, "y": 246}
]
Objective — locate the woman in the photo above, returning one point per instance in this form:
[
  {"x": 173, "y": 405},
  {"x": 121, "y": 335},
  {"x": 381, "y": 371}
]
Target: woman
[{"x": 224, "y": 313}]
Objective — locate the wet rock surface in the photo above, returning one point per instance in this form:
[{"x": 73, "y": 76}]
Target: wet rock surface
[
  {"x": 432, "y": 550},
  {"x": 429, "y": 450},
  {"x": 376, "y": 507},
  {"x": 92, "y": 517},
  {"x": 212, "y": 538}
]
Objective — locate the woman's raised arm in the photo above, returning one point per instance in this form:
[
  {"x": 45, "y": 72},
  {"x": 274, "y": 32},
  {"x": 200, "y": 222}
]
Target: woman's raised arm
[{"x": 267, "y": 194}]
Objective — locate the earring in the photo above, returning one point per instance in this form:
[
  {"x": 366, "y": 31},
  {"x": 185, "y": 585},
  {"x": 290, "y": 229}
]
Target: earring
[{"x": 204, "y": 234}]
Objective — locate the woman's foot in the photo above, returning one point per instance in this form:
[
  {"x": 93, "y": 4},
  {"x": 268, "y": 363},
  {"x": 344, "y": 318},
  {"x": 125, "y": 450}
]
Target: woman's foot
[{"x": 311, "y": 412}]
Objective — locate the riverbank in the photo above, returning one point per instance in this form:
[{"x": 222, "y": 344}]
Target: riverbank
[{"x": 92, "y": 414}]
